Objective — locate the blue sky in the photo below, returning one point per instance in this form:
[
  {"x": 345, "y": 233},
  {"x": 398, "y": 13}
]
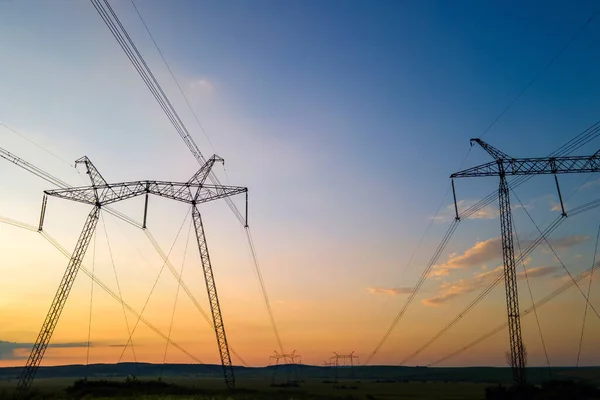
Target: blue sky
[{"x": 344, "y": 119}]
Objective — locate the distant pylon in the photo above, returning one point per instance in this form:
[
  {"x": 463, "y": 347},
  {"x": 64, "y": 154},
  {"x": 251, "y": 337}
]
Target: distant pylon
[
  {"x": 347, "y": 362},
  {"x": 290, "y": 363}
]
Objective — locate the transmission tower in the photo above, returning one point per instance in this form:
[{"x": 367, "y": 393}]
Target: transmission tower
[
  {"x": 99, "y": 195},
  {"x": 504, "y": 166},
  {"x": 289, "y": 361},
  {"x": 347, "y": 361}
]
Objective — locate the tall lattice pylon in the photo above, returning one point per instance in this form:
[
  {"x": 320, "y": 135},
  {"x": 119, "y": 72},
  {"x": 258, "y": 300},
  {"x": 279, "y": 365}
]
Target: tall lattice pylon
[
  {"x": 101, "y": 193},
  {"x": 504, "y": 166}
]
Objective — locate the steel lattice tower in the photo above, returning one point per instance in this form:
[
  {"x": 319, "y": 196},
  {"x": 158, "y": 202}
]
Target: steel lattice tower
[
  {"x": 100, "y": 194},
  {"x": 335, "y": 362},
  {"x": 502, "y": 167},
  {"x": 292, "y": 359}
]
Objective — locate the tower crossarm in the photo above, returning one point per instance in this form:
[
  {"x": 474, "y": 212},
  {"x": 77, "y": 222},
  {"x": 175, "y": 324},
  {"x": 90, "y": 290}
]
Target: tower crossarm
[
  {"x": 491, "y": 150},
  {"x": 85, "y": 194},
  {"x": 533, "y": 166},
  {"x": 96, "y": 178},
  {"x": 200, "y": 176},
  {"x": 186, "y": 192}
]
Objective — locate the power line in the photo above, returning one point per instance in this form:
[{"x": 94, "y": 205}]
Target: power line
[
  {"x": 501, "y": 327},
  {"x": 40, "y": 173},
  {"x": 8, "y": 156},
  {"x": 154, "y": 286},
  {"x": 492, "y": 196},
  {"x": 539, "y": 74},
  {"x": 87, "y": 358},
  {"x": 187, "y": 242},
  {"x": 575, "y": 211},
  {"x": 497, "y": 280},
  {"x": 187, "y": 138},
  {"x": 502, "y": 167},
  {"x": 112, "y": 260},
  {"x": 537, "y": 320},
  {"x": 187, "y": 101},
  {"x": 588, "y": 294},
  {"x": 120, "y": 34},
  {"x": 36, "y": 144},
  {"x": 63, "y": 185},
  {"x": 560, "y": 261},
  {"x": 586, "y": 136},
  {"x": 264, "y": 290},
  {"x": 431, "y": 221},
  {"x": 98, "y": 282},
  {"x": 186, "y": 289},
  {"x": 415, "y": 290}
]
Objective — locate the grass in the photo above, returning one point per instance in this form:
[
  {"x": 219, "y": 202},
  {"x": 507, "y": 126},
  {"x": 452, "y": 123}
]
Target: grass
[
  {"x": 260, "y": 389},
  {"x": 370, "y": 383}
]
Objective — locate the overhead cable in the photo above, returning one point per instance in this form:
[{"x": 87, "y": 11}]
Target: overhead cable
[
  {"x": 120, "y": 34},
  {"x": 27, "y": 166},
  {"x": 129, "y": 331},
  {"x": 503, "y": 326},
  {"x": 540, "y": 73},
  {"x": 153, "y": 287},
  {"x": 98, "y": 282},
  {"x": 588, "y": 295},
  {"x": 587, "y": 299},
  {"x": 537, "y": 320},
  {"x": 586, "y": 136},
  {"x": 497, "y": 280}
]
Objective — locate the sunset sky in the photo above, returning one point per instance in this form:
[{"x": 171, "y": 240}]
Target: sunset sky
[{"x": 345, "y": 121}]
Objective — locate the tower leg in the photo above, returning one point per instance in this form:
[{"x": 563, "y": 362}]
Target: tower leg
[
  {"x": 335, "y": 371},
  {"x": 215, "y": 308},
  {"x": 274, "y": 372},
  {"x": 296, "y": 375},
  {"x": 43, "y": 339},
  {"x": 517, "y": 354}
]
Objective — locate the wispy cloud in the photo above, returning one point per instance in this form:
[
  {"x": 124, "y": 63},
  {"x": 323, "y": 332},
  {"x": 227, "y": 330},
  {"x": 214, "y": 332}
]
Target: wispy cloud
[
  {"x": 7, "y": 349},
  {"x": 591, "y": 184},
  {"x": 488, "y": 250},
  {"x": 203, "y": 84},
  {"x": 569, "y": 241},
  {"x": 476, "y": 256},
  {"x": 538, "y": 272},
  {"x": 452, "y": 290},
  {"x": 487, "y": 212},
  {"x": 390, "y": 291}
]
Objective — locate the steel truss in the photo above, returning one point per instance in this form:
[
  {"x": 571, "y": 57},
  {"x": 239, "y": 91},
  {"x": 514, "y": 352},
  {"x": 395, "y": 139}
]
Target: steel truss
[
  {"x": 213, "y": 298},
  {"x": 100, "y": 194},
  {"x": 502, "y": 167}
]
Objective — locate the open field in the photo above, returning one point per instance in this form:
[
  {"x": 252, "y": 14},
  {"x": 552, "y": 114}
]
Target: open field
[
  {"x": 310, "y": 389},
  {"x": 368, "y": 383}
]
